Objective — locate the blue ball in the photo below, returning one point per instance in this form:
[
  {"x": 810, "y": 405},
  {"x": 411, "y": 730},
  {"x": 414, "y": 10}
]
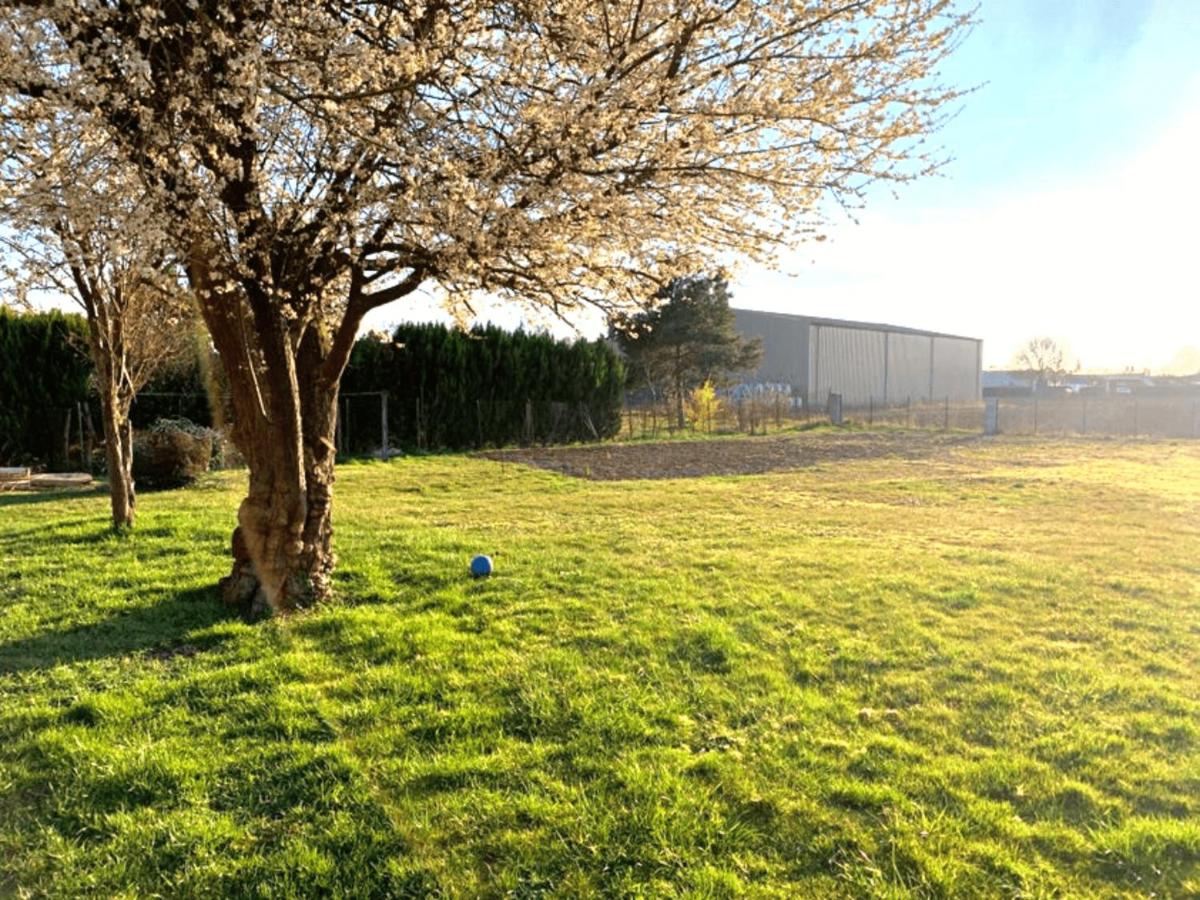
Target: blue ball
[{"x": 481, "y": 566}]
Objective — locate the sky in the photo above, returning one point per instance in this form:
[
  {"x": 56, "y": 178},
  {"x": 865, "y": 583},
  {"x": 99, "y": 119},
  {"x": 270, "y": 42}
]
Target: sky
[{"x": 1067, "y": 209}]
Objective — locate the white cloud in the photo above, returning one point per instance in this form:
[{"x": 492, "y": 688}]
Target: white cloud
[{"x": 1106, "y": 260}]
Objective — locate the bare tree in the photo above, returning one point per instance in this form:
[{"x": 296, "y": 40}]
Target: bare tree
[
  {"x": 315, "y": 161},
  {"x": 1044, "y": 359},
  {"x": 78, "y": 226}
]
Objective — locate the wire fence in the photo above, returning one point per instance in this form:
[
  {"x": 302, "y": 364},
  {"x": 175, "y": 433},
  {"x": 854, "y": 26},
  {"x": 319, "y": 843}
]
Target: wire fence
[
  {"x": 1135, "y": 415},
  {"x": 371, "y": 421},
  {"x": 765, "y": 413}
]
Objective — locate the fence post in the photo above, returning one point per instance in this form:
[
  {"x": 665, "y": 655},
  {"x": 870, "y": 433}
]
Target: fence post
[
  {"x": 1084, "y": 398},
  {"x": 908, "y": 412},
  {"x": 91, "y": 435},
  {"x": 871, "y": 407},
  {"x": 67, "y": 440},
  {"x": 383, "y": 423},
  {"x": 1035, "y": 422},
  {"x": 1135, "y": 415},
  {"x": 946, "y": 418},
  {"x": 835, "y": 408},
  {"x": 82, "y": 446},
  {"x": 991, "y": 415}
]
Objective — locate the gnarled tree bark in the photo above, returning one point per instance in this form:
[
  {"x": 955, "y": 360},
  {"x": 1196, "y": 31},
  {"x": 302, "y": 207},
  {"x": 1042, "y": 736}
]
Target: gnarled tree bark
[{"x": 284, "y": 385}]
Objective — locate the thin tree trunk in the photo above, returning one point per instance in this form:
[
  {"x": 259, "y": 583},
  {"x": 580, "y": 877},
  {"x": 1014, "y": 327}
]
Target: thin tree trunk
[
  {"x": 119, "y": 453},
  {"x": 678, "y": 378},
  {"x": 118, "y": 433}
]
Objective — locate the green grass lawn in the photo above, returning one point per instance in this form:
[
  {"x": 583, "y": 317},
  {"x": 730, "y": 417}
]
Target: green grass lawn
[{"x": 975, "y": 674}]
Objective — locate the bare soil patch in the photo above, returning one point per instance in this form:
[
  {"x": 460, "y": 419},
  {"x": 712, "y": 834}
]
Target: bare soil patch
[{"x": 732, "y": 456}]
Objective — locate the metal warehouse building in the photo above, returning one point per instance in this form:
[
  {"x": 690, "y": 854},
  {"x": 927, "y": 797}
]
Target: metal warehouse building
[{"x": 862, "y": 361}]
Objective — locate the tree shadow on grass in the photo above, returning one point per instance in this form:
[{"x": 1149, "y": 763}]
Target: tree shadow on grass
[
  {"x": 29, "y": 498},
  {"x": 61, "y": 533},
  {"x": 158, "y": 630},
  {"x": 97, "y": 532}
]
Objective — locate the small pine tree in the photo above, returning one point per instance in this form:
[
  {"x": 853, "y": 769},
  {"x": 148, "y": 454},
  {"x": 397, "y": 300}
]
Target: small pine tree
[{"x": 686, "y": 338}]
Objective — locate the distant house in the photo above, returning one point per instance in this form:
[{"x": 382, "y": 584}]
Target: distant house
[
  {"x": 1019, "y": 383},
  {"x": 1007, "y": 384},
  {"x": 1126, "y": 384}
]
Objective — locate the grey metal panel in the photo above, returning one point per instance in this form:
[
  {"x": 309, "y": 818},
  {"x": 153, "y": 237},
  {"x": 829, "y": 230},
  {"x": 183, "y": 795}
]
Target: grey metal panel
[
  {"x": 862, "y": 361},
  {"x": 785, "y": 347},
  {"x": 847, "y": 361},
  {"x": 955, "y": 369},
  {"x": 908, "y": 368}
]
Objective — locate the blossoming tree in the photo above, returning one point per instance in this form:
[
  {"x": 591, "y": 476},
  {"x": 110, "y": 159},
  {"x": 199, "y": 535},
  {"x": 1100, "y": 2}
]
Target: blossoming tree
[
  {"x": 74, "y": 221},
  {"x": 317, "y": 160}
]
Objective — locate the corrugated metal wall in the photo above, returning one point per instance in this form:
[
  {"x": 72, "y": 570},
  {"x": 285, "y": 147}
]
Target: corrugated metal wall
[
  {"x": 956, "y": 369},
  {"x": 785, "y": 346},
  {"x": 847, "y": 361},
  {"x": 865, "y": 364},
  {"x": 908, "y": 368},
  {"x": 889, "y": 367}
]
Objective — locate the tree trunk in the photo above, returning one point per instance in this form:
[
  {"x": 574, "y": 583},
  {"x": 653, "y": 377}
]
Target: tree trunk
[
  {"x": 283, "y": 544},
  {"x": 283, "y": 380},
  {"x": 677, "y": 377},
  {"x": 119, "y": 452},
  {"x": 118, "y": 443}
]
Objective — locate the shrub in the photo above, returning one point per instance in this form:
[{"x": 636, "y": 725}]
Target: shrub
[
  {"x": 172, "y": 453},
  {"x": 44, "y": 371},
  {"x": 487, "y": 386},
  {"x": 703, "y": 406}
]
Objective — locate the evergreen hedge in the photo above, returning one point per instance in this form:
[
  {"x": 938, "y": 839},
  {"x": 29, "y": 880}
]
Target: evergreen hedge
[
  {"x": 44, "y": 371},
  {"x": 450, "y": 389},
  {"x": 447, "y": 389},
  {"x": 178, "y": 392}
]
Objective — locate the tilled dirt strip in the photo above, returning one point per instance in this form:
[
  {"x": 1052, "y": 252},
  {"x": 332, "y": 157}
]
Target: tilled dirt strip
[{"x": 728, "y": 456}]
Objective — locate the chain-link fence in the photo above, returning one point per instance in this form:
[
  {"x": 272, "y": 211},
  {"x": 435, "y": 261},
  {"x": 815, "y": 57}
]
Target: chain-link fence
[
  {"x": 370, "y": 421},
  {"x": 1141, "y": 414},
  {"x": 764, "y": 412},
  {"x": 1145, "y": 415}
]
